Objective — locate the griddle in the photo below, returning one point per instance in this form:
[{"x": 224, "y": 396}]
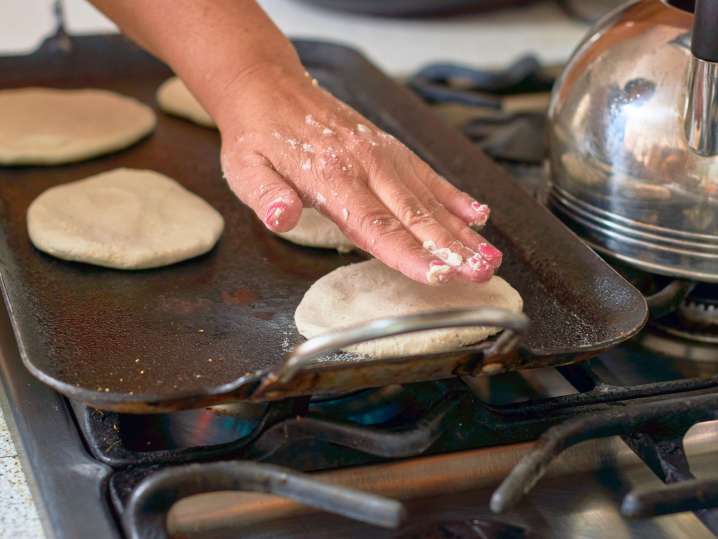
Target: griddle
[{"x": 215, "y": 328}]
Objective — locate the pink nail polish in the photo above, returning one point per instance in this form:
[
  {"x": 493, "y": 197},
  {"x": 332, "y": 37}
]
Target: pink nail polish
[
  {"x": 482, "y": 213},
  {"x": 274, "y": 214},
  {"x": 491, "y": 254},
  {"x": 478, "y": 264}
]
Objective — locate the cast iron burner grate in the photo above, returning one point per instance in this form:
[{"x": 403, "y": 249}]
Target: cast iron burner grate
[{"x": 651, "y": 418}]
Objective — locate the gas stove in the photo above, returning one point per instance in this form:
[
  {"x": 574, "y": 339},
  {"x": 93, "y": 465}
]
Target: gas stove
[
  {"x": 580, "y": 450},
  {"x": 442, "y": 447}
]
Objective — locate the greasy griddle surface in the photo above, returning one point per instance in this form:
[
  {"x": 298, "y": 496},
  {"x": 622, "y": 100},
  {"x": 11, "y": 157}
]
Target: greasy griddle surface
[{"x": 187, "y": 329}]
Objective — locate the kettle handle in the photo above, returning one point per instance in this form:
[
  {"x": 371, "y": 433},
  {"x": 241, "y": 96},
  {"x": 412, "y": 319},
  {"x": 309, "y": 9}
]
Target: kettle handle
[{"x": 704, "y": 43}]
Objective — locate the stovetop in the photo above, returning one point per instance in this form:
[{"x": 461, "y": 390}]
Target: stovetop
[{"x": 443, "y": 448}]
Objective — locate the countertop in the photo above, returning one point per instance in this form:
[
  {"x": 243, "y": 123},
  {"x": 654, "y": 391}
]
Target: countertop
[
  {"x": 398, "y": 46},
  {"x": 18, "y": 516}
]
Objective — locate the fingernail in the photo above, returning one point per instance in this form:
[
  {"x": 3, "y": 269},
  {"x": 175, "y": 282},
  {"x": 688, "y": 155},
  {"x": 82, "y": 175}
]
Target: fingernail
[
  {"x": 439, "y": 273},
  {"x": 490, "y": 253},
  {"x": 482, "y": 212},
  {"x": 478, "y": 264},
  {"x": 274, "y": 213}
]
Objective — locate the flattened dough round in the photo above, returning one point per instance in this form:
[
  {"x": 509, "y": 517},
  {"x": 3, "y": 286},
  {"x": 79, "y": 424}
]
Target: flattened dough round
[
  {"x": 316, "y": 230},
  {"x": 48, "y": 126},
  {"x": 124, "y": 218},
  {"x": 369, "y": 290},
  {"x": 175, "y": 98}
]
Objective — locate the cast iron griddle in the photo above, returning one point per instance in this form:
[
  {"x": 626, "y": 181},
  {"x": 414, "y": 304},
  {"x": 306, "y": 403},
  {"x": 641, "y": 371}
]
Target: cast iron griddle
[{"x": 188, "y": 334}]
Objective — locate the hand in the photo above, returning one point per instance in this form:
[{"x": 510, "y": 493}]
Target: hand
[{"x": 286, "y": 144}]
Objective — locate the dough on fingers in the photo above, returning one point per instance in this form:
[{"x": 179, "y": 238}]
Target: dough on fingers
[
  {"x": 48, "y": 126},
  {"x": 370, "y": 290},
  {"x": 125, "y": 219},
  {"x": 175, "y": 98},
  {"x": 316, "y": 230}
]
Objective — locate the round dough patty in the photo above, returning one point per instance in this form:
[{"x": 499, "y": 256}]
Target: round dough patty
[
  {"x": 47, "y": 126},
  {"x": 316, "y": 230},
  {"x": 125, "y": 218},
  {"x": 369, "y": 290},
  {"x": 175, "y": 98}
]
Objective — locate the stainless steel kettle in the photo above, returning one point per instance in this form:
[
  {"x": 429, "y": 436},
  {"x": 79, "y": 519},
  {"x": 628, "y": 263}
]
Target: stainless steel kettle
[{"x": 633, "y": 138}]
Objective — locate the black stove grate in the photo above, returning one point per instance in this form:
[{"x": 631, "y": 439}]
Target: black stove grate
[{"x": 651, "y": 418}]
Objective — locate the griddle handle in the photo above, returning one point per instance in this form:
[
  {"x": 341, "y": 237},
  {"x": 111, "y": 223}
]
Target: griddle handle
[
  {"x": 146, "y": 513},
  {"x": 306, "y": 354},
  {"x": 59, "y": 40}
]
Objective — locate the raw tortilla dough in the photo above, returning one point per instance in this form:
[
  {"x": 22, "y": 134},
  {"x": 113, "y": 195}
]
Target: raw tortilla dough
[
  {"x": 47, "y": 126},
  {"x": 369, "y": 290},
  {"x": 315, "y": 230},
  {"x": 174, "y": 98},
  {"x": 125, "y": 218}
]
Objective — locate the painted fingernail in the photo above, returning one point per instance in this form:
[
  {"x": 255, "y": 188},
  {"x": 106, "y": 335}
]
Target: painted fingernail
[
  {"x": 478, "y": 264},
  {"x": 274, "y": 214},
  {"x": 491, "y": 254},
  {"x": 482, "y": 213},
  {"x": 438, "y": 273}
]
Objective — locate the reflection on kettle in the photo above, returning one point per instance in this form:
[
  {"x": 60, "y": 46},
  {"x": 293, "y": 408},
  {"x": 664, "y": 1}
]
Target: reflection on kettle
[{"x": 633, "y": 134}]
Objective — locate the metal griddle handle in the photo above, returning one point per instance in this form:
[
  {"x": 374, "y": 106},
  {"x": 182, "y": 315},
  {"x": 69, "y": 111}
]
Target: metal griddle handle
[
  {"x": 305, "y": 355},
  {"x": 146, "y": 513},
  {"x": 59, "y": 40}
]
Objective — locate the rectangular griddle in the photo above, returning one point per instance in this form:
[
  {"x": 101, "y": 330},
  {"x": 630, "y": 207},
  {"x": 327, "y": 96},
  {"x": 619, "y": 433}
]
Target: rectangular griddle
[{"x": 211, "y": 329}]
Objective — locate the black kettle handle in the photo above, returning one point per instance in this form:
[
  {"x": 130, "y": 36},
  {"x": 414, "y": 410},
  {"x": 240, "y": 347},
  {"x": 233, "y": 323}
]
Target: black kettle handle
[{"x": 704, "y": 43}]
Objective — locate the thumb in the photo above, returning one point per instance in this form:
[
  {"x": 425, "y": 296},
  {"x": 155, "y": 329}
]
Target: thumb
[{"x": 259, "y": 186}]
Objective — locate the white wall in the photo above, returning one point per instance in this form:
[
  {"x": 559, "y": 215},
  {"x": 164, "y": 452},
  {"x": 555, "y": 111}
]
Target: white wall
[{"x": 399, "y": 46}]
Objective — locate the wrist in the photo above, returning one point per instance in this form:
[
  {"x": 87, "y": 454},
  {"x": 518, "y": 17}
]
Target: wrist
[{"x": 252, "y": 90}]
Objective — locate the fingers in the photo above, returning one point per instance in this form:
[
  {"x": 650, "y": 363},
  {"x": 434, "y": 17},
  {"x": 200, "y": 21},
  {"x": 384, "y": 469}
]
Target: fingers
[
  {"x": 256, "y": 183},
  {"x": 471, "y": 211},
  {"x": 439, "y": 231},
  {"x": 373, "y": 228},
  {"x": 430, "y": 232},
  {"x": 486, "y": 258}
]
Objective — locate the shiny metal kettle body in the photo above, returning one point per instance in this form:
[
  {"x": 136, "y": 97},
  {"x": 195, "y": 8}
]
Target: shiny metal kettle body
[{"x": 633, "y": 138}]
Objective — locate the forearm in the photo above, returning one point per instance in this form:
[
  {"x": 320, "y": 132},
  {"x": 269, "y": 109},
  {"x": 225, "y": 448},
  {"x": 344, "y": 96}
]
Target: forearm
[
  {"x": 287, "y": 143},
  {"x": 212, "y": 45}
]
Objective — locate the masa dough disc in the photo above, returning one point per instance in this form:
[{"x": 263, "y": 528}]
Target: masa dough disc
[
  {"x": 124, "y": 218},
  {"x": 174, "y": 98},
  {"x": 316, "y": 230},
  {"x": 369, "y": 290},
  {"x": 48, "y": 126}
]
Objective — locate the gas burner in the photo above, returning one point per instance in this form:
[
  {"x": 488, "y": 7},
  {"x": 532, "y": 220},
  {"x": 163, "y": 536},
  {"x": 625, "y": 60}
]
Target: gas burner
[
  {"x": 700, "y": 309},
  {"x": 687, "y": 354},
  {"x": 190, "y": 428},
  {"x": 696, "y": 318},
  {"x": 365, "y": 407}
]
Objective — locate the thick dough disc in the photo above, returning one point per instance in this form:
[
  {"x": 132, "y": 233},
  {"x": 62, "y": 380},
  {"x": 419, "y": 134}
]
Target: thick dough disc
[
  {"x": 316, "y": 230},
  {"x": 175, "y": 98},
  {"x": 369, "y": 290},
  {"x": 47, "y": 126},
  {"x": 125, "y": 218}
]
